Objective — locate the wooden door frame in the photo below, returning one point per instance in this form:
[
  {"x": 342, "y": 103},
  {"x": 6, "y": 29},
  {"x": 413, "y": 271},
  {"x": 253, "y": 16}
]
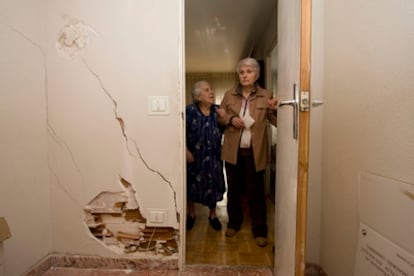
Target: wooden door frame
[{"x": 303, "y": 139}]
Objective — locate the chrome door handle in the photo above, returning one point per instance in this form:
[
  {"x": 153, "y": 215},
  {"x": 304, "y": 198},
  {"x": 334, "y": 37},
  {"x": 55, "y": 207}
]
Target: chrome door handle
[
  {"x": 316, "y": 103},
  {"x": 295, "y": 104}
]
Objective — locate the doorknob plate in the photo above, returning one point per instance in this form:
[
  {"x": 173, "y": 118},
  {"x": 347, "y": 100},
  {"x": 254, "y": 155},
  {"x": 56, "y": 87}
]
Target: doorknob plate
[{"x": 304, "y": 101}]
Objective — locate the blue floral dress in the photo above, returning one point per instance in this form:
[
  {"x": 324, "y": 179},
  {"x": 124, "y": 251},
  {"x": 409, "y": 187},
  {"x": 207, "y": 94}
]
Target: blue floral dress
[{"x": 205, "y": 179}]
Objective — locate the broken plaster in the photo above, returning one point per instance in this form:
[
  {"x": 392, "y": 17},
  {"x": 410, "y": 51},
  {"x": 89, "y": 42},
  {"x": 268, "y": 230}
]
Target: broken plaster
[
  {"x": 74, "y": 38},
  {"x": 136, "y": 236},
  {"x": 114, "y": 219},
  {"x": 159, "y": 240},
  {"x": 122, "y": 125},
  {"x": 133, "y": 235}
]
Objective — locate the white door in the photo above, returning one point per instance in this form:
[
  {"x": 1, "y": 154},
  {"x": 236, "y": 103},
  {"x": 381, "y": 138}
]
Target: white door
[{"x": 292, "y": 141}]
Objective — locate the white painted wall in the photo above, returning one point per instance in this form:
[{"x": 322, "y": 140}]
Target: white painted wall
[
  {"x": 368, "y": 113},
  {"x": 24, "y": 187},
  {"x": 62, "y": 145}
]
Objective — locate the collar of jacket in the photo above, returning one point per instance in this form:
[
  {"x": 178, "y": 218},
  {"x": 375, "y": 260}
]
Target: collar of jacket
[
  {"x": 256, "y": 89},
  {"x": 239, "y": 89}
]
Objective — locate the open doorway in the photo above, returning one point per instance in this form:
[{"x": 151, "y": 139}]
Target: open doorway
[{"x": 218, "y": 34}]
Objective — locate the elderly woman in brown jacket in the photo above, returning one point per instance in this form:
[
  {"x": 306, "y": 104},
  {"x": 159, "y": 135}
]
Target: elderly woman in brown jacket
[{"x": 246, "y": 110}]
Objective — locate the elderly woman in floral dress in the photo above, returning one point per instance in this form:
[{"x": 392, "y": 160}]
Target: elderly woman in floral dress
[{"x": 205, "y": 178}]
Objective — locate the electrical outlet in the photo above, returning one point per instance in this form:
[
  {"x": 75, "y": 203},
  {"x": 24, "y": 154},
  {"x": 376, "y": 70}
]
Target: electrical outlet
[{"x": 157, "y": 217}]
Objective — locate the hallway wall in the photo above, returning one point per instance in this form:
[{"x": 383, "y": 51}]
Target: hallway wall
[
  {"x": 368, "y": 113},
  {"x": 24, "y": 187},
  {"x": 77, "y": 78}
]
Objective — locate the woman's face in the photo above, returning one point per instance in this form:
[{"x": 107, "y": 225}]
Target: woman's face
[
  {"x": 206, "y": 95},
  {"x": 247, "y": 75}
]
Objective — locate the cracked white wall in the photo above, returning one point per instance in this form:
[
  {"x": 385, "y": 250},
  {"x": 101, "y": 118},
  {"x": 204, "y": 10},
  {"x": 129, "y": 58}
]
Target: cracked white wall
[
  {"x": 80, "y": 121},
  {"x": 98, "y": 98}
]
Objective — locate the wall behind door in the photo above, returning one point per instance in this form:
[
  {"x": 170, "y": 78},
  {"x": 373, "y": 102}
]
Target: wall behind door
[
  {"x": 368, "y": 114},
  {"x": 77, "y": 79}
]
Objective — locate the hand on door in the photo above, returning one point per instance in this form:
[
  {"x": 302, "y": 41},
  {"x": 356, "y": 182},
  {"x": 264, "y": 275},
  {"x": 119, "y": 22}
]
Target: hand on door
[{"x": 273, "y": 103}]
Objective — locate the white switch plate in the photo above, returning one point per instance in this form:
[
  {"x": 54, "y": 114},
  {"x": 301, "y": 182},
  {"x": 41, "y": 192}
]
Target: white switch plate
[
  {"x": 157, "y": 217},
  {"x": 158, "y": 105}
]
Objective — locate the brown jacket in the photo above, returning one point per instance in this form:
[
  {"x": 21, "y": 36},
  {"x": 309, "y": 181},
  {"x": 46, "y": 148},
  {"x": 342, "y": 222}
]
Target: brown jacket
[{"x": 260, "y": 112}]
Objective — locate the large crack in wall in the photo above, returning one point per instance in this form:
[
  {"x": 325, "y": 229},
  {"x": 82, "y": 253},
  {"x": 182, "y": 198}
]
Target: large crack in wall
[
  {"x": 118, "y": 224},
  {"x": 138, "y": 155},
  {"x": 113, "y": 218}
]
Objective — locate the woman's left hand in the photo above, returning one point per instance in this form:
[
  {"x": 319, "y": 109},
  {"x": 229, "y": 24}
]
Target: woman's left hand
[{"x": 273, "y": 103}]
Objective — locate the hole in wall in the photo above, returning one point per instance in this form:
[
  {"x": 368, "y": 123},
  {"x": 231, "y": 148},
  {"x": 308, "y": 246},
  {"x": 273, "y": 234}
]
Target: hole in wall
[{"x": 115, "y": 220}]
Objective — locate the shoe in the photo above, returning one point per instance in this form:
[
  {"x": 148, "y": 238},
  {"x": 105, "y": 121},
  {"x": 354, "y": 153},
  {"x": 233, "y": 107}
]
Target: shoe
[
  {"x": 215, "y": 223},
  {"x": 230, "y": 232},
  {"x": 190, "y": 222},
  {"x": 261, "y": 241}
]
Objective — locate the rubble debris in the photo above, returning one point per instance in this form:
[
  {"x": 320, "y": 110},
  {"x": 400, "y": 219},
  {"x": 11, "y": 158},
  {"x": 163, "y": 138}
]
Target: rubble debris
[{"x": 114, "y": 219}]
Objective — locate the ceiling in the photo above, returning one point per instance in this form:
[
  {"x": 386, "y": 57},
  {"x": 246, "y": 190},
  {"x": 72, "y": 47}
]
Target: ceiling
[{"x": 220, "y": 32}]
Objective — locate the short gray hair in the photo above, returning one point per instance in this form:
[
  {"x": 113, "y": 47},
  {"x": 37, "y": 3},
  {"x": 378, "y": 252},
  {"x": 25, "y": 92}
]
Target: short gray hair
[
  {"x": 197, "y": 89},
  {"x": 249, "y": 62}
]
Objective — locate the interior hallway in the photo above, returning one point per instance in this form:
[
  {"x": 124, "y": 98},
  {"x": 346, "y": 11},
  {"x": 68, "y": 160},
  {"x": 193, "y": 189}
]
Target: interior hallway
[{"x": 207, "y": 246}]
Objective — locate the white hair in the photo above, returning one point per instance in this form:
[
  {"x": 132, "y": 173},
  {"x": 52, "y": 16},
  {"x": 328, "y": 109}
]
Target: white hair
[
  {"x": 197, "y": 89},
  {"x": 248, "y": 62}
]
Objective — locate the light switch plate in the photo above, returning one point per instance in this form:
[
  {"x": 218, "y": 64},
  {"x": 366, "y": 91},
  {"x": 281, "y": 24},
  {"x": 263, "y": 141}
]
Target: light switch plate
[
  {"x": 158, "y": 105},
  {"x": 157, "y": 217}
]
